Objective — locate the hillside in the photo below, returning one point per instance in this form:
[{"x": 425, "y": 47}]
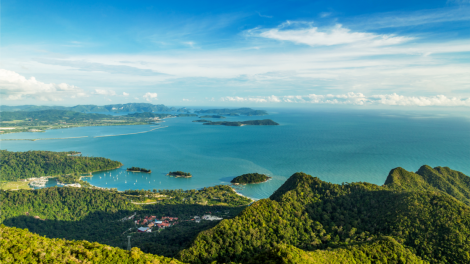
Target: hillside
[
  {"x": 311, "y": 214},
  {"x": 93, "y": 214},
  {"x": 22, "y": 246},
  {"x": 436, "y": 179},
  {"x": 380, "y": 250}
]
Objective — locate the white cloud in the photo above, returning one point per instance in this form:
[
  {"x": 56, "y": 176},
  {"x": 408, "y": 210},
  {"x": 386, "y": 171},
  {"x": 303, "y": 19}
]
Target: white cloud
[
  {"x": 104, "y": 92},
  {"x": 186, "y": 100},
  {"x": 357, "y": 99},
  {"x": 14, "y": 86},
  {"x": 125, "y": 94},
  {"x": 150, "y": 96},
  {"x": 306, "y": 33}
]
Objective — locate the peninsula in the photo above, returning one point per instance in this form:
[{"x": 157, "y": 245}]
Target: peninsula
[
  {"x": 250, "y": 178},
  {"x": 180, "y": 174}
]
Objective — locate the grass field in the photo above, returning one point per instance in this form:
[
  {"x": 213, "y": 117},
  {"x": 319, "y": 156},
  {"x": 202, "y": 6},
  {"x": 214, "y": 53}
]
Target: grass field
[{"x": 14, "y": 185}]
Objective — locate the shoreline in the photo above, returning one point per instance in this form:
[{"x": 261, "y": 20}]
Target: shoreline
[{"x": 253, "y": 200}]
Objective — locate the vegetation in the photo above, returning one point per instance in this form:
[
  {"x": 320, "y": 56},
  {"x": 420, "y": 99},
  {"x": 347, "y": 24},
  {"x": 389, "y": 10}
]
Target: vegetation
[
  {"x": 21, "y": 246},
  {"x": 137, "y": 169},
  {"x": 380, "y": 250},
  {"x": 250, "y": 178},
  {"x": 180, "y": 174},
  {"x": 240, "y": 111},
  {"x": 311, "y": 214},
  {"x": 42, "y": 120},
  {"x": 439, "y": 179},
  {"x": 23, "y": 165},
  {"x": 265, "y": 122},
  {"x": 67, "y": 212},
  {"x": 14, "y": 185},
  {"x": 73, "y": 178},
  {"x": 201, "y": 121},
  {"x": 186, "y": 115}
]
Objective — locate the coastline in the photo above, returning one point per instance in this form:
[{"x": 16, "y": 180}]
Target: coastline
[{"x": 253, "y": 200}]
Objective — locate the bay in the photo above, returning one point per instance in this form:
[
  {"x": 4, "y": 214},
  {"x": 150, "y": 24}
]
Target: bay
[{"x": 335, "y": 145}]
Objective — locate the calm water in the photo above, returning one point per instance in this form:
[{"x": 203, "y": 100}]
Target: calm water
[{"x": 336, "y": 146}]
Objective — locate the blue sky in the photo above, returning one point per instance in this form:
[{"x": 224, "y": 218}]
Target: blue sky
[{"x": 256, "y": 53}]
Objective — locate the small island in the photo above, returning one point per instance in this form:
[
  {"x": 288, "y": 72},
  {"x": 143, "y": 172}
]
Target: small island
[
  {"x": 137, "y": 169},
  {"x": 250, "y": 178},
  {"x": 264, "y": 122},
  {"x": 201, "y": 121},
  {"x": 180, "y": 174}
]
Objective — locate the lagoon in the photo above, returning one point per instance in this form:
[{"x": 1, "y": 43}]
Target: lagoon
[{"x": 335, "y": 145}]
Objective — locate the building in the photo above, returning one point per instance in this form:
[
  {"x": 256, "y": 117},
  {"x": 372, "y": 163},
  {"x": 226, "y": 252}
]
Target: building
[
  {"x": 144, "y": 230},
  {"x": 211, "y": 217}
]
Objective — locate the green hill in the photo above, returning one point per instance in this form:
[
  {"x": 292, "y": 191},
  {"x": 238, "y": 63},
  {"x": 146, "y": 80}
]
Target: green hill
[
  {"x": 21, "y": 246},
  {"x": 311, "y": 214},
  {"x": 436, "y": 179}
]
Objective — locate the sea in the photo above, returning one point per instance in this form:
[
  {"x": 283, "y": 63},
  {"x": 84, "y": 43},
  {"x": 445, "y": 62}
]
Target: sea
[{"x": 335, "y": 145}]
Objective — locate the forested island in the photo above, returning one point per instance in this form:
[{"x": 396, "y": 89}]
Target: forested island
[
  {"x": 180, "y": 174},
  {"x": 264, "y": 122},
  {"x": 201, "y": 121},
  {"x": 49, "y": 163},
  {"x": 250, "y": 178},
  {"x": 137, "y": 169},
  {"x": 234, "y": 112}
]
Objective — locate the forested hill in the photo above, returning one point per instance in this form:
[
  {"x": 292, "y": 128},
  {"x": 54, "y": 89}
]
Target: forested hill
[
  {"x": 313, "y": 215},
  {"x": 23, "y": 165},
  {"x": 426, "y": 178},
  {"x": 21, "y": 246}
]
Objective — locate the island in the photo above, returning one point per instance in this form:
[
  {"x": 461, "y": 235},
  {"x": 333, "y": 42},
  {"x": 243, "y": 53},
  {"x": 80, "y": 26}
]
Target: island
[
  {"x": 186, "y": 115},
  {"x": 264, "y": 122},
  {"x": 233, "y": 112},
  {"x": 250, "y": 178},
  {"x": 137, "y": 169},
  {"x": 180, "y": 174},
  {"x": 212, "y": 116},
  {"x": 202, "y": 121}
]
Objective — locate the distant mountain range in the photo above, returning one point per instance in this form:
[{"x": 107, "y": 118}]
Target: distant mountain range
[
  {"x": 131, "y": 107},
  {"x": 134, "y": 107}
]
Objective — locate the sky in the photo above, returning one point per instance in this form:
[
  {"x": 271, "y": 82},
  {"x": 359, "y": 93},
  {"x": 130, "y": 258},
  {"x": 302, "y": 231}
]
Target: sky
[{"x": 236, "y": 53}]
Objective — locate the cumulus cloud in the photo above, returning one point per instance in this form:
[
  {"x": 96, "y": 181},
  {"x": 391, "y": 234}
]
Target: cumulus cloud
[
  {"x": 125, "y": 94},
  {"x": 306, "y": 33},
  {"x": 150, "y": 96},
  {"x": 14, "y": 86},
  {"x": 356, "y": 99},
  {"x": 104, "y": 92}
]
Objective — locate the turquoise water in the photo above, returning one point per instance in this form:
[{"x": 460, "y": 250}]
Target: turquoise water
[{"x": 336, "y": 146}]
